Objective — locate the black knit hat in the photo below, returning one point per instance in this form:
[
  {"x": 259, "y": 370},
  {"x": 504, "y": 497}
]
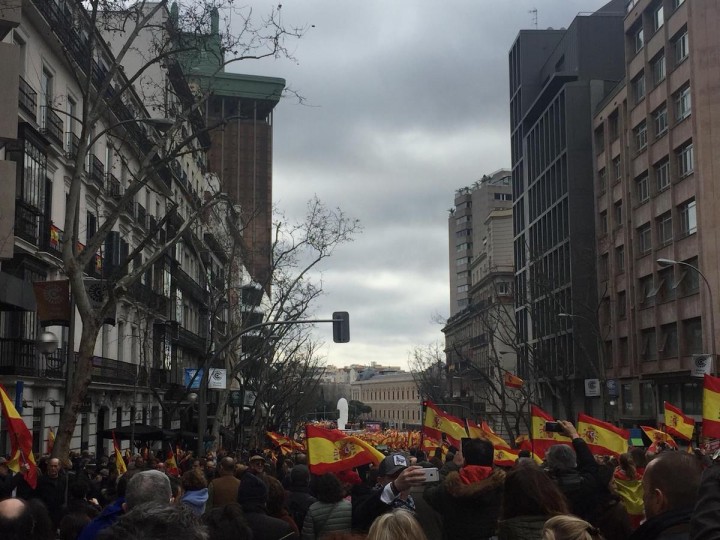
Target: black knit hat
[{"x": 252, "y": 490}]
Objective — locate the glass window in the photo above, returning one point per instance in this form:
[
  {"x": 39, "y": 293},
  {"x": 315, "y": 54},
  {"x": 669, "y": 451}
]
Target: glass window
[
  {"x": 682, "y": 104},
  {"x": 603, "y": 222},
  {"x": 602, "y": 179},
  {"x": 642, "y": 189},
  {"x": 660, "y": 120},
  {"x": 658, "y": 18},
  {"x": 678, "y": 3},
  {"x": 664, "y": 228},
  {"x": 644, "y": 239},
  {"x": 614, "y": 126},
  {"x": 685, "y": 158},
  {"x": 621, "y": 305},
  {"x": 648, "y": 345},
  {"x": 617, "y": 168},
  {"x": 638, "y": 86},
  {"x": 662, "y": 174},
  {"x": 627, "y": 397},
  {"x": 618, "y": 213},
  {"x": 658, "y": 69},
  {"x": 620, "y": 258},
  {"x": 647, "y": 399},
  {"x": 639, "y": 39},
  {"x": 688, "y": 217},
  {"x": 692, "y": 330},
  {"x": 640, "y": 135},
  {"x": 681, "y": 45},
  {"x": 645, "y": 290}
]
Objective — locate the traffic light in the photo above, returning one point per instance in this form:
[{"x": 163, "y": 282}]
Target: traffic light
[{"x": 341, "y": 326}]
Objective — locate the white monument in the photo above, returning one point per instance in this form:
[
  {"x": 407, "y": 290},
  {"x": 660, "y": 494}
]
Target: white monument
[{"x": 342, "y": 406}]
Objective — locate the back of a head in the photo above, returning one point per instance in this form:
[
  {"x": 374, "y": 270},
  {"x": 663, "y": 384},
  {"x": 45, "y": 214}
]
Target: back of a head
[
  {"x": 529, "y": 491},
  {"x": 193, "y": 480},
  {"x": 478, "y": 452},
  {"x": 227, "y": 465},
  {"x": 300, "y": 476},
  {"x": 148, "y": 487},
  {"x": 227, "y": 523},
  {"x": 677, "y": 475},
  {"x": 561, "y": 457},
  {"x": 158, "y": 522},
  {"x": 638, "y": 457},
  {"x": 396, "y": 525},
  {"x": 25, "y": 520},
  {"x": 328, "y": 489},
  {"x": 72, "y": 524},
  {"x": 569, "y": 528}
]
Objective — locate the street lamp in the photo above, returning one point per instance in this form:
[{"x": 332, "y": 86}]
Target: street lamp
[
  {"x": 601, "y": 356},
  {"x": 47, "y": 343},
  {"x": 664, "y": 263}
]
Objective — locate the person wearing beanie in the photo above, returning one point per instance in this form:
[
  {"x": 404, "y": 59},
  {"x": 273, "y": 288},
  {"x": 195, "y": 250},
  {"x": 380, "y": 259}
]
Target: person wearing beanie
[{"x": 252, "y": 495}]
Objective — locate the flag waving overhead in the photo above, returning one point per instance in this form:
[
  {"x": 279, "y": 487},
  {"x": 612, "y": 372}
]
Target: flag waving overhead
[
  {"x": 330, "y": 450},
  {"x": 438, "y": 422},
  {"x": 541, "y": 440},
  {"x": 119, "y": 461},
  {"x": 657, "y": 436},
  {"x": 513, "y": 381},
  {"x": 50, "y": 441},
  {"x": 171, "y": 464},
  {"x": 711, "y": 408},
  {"x": 677, "y": 423},
  {"x": 602, "y": 438},
  {"x": 20, "y": 441}
]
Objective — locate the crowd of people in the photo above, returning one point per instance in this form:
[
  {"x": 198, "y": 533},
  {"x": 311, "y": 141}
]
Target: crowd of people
[{"x": 261, "y": 495}]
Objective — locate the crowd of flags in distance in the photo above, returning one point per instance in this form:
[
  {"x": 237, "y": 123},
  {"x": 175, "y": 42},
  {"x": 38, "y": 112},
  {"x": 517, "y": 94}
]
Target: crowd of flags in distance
[{"x": 331, "y": 450}]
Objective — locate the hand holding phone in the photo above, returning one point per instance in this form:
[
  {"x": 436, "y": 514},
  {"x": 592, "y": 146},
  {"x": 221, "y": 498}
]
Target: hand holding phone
[{"x": 431, "y": 474}]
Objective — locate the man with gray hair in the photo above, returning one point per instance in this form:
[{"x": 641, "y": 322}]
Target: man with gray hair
[
  {"x": 577, "y": 474},
  {"x": 149, "y": 486},
  {"x": 159, "y": 522}
]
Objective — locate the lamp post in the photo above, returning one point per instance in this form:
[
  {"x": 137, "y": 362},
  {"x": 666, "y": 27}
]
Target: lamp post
[
  {"x": 599, "y": 371},
  {"x": 664, "y": 263}
]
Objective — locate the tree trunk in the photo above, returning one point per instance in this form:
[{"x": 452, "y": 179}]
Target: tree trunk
[
  {"x": 220, "y": 414},
  {"x": 78, "y": 390}
]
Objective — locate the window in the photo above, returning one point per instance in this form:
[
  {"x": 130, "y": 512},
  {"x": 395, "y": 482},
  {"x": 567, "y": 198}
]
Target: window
[
  {"x": 647, "y": 400},
  {"x": 638, "y": 87},
  {"x": 640, "y": 135},
  {"x": 644, "y": 239},
  {"x": 614, "y": 125},
  {"x": 658, "y": 69},
  {"x": 682, "y": 104},
  {"x": 688, "y": 282},
  {"x": 622, "y": 305},
  {"x": 602, "y": 179},
  {"x": 599, "y": 139},
  {"x": 666, "y": 289},
  {"x": 660, "y": 120},
  {"x": 645, "y": 290},
  {"x": 642, "y": 189},
  {"x": 662, "y": 174},
  {"x": 688, "y": 217},
  {"x": 681, "y": 46},
  {"x": 618, "y": 213},
  {"x": 685, "y": 159},
  {"x": 648, "y": 345},
  {"x": 692, "y": 332},
  {"x": 463, "y": 288},
  {"x": 658, "y": 18},
  {"x": 603, "y": 266},
  {"x": 677, "y": 3},
  {"x": 620, "y": 258},
  {"x": 664, "y": 228},
  {"x": 617, "y": 168},
  {"x": 639, "y": 39},
  {"x": 627, "y": 398}
]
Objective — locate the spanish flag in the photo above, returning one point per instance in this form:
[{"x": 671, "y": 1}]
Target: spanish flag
[
  {"x": 330, "y": 450},
  {"x": 657, "y": 436},
  {"x": 484, "y": 431},
  {"x": 513, "y": 381},
  {"x": 50, "y": 441},
  {"x": 602, "y": 437},
  {"x": 119, "y": 461},
  {"x": 631, "y": 497},
  {"x": 678, "y": 424},
  {"x": 171, "y": 464},
  {"x": 438, "y": 422},
  {"x": 541, "y": 439},
  {"x": 505, "y": 457},
  {"x": 711, "y": 408},
  {"x": 20, "y": 440}
]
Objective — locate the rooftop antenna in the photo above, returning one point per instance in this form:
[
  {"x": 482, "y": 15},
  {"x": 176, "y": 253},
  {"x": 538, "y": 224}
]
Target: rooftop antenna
[{"x": 533, "y": 11}]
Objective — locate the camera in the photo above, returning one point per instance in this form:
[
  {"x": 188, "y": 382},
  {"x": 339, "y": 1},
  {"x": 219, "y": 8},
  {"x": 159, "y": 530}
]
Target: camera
[
  {"x": 431, "y": 474},
  {"x": 553, "y": 427}
]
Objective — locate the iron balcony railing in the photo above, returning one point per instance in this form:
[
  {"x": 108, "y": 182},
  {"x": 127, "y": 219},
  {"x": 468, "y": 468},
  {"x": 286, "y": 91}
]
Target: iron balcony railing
[
  {"x": 96, "y": 170},
  {"x": 27, "y": 98},
  {"x": 51, "y": 124},
  {"x": 114, "y": 187},
  {"x": 72, "y": 144},
  {"x": 27, "y": 222},
  {"x": 141, "y": 215}
]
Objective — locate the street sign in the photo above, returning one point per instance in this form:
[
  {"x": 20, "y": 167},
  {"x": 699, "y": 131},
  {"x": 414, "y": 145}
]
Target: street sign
[
  {"x": 217, "y": 379},
  {"x": 235, "y": 398},
  {"x": 612, "y": 388},
  {"x": 592, "y": 387},
  {"x": 189, "y": 374},
  {"x": 702, "y": 365}
]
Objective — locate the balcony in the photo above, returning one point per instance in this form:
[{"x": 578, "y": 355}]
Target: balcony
[
  {"x": 140, "y": 215},
  {"x": 27, "y": 222},
  {"x": 27, "y": 98},
  {"x": 52, "y": 240},
  {"x": 147, "y": 295},
  {"x": 51, "y": 124},
  {"x": 96, "y": 170},
  {"x": 190, "y": 340},
  {"x": 189, "y": 285},
  {"x": 95, "y": 266},
  {"x": 113, "y": 187},
  {"x": 72, "y": 144},
  {"x": 113, "y": 371}
]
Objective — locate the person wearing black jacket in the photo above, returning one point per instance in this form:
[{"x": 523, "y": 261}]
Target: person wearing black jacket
[
  {"x": 52, "y": 489},
  {"x": 8, "y": 480}
]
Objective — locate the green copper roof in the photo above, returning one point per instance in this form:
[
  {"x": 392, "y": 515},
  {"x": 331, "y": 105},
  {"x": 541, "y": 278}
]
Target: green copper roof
[{"x": 239, "y": 85}]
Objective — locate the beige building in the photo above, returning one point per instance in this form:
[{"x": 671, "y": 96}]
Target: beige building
[
  {"x": 394, "y": 398},
  {"x": 656, "y": 198}
]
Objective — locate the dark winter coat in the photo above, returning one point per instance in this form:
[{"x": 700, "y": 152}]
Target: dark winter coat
[
  {"x": 298, "y": 500},
  {"x": 265, "y": 527},
  {"x": 53, "y": 492},
  {"x": 521, "y": 528},
  {"x": 670, "y": 525},
  {"x": 705, "y": 521},
  {"x": 468, "y": 511}
]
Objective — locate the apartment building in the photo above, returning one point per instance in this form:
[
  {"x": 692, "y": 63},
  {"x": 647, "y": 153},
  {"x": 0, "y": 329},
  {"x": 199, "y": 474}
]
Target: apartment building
[
  {"x": 556, "y": 79},
  {"x": 654, "y": 138},
  {"x": 393, "y": 397},
  {"x": 165, "y": 321}
]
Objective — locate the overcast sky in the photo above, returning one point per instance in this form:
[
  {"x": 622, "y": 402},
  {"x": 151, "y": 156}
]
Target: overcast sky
[{"x": 407, "y": 100}]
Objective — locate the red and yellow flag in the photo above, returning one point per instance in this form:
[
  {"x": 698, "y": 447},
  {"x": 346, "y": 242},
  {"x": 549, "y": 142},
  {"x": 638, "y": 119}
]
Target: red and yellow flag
[
  {"x": 119, "y": 461},
  {"x": 602, "y": 437},
  {"x": 677, "y": 423},
  {"x": 438, "y": 422},
  {"x": 20, "y": 441},
  {"x": 513, "y": 381},
  {"x": 505, "y": 457},
  {"x": 657, "y": 436},
  {"x": 541, "y": 440},
  {"x": 171, "y": 464},
  {"x": 50, "y": 441},
  {"x": 330, "y": 450},
  {"x": 711, "y": 407}
]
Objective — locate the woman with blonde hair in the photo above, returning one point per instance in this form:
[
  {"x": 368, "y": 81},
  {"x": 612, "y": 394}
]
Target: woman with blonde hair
[
  {"x": 569, "y": 528},
  {"x": 396, "y": 525}
]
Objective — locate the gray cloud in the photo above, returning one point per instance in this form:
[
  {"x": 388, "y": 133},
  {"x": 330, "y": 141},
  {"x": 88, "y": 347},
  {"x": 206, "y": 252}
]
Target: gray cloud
[{"x": 407, "y": 101}]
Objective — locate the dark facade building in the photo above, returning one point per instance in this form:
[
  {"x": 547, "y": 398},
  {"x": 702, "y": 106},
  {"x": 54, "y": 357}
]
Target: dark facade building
[{"x": 557, "y": 77}]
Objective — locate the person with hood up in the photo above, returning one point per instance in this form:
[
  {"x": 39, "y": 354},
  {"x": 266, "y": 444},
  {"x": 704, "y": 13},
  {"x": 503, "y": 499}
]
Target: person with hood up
[
  {"x": 468, "y": 501},
  {"x": 195, "y": 491}
]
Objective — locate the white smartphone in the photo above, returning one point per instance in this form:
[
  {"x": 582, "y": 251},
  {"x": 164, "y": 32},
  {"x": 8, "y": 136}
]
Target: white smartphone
[{"x": 431, "y": 474}]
